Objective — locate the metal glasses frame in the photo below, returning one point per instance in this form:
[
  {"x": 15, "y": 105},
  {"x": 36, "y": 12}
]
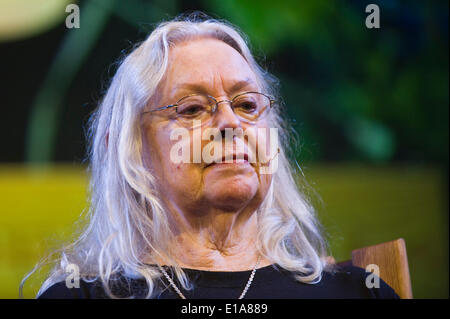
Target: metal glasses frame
[{"x": 272, "y": 101}]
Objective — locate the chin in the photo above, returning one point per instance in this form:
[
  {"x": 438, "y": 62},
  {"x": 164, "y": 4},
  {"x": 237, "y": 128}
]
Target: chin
[{"x": 231, "y": 195}]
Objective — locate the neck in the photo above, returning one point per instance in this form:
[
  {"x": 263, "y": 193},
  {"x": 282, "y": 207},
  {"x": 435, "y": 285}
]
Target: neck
[{"x": 216, "y": 241}]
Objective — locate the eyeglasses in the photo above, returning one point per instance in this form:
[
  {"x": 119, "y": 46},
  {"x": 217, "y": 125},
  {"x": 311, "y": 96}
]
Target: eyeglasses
[{"x": 248, "y": 107}]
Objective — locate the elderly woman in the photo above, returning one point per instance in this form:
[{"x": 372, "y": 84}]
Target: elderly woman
[{"x": 220, "y": 219}]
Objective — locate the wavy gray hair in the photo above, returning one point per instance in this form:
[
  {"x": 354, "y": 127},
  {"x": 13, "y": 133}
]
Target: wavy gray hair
[{"x": 126, "y": 219}]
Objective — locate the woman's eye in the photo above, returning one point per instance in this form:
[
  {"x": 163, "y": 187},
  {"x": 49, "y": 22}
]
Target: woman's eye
[
  {"x": 190, "y": 110},
  {"x": 247, "y": 106}
]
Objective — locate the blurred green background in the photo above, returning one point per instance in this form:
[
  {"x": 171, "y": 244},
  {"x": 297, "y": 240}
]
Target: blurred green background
[{"x": 369, "y": 107}]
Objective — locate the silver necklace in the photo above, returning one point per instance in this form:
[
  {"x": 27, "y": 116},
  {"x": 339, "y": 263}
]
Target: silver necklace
[{"x": 244, "y": 292}]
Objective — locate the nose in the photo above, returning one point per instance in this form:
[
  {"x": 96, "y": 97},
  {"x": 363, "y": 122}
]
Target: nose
[{"x": 225, "y": 117}]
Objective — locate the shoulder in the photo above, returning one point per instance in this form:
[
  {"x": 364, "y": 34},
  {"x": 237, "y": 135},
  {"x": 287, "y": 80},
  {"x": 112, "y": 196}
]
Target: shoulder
[
  {"x": 85, "y": 290},
  {"x": 337, "y": 283},
  {"x": 355, "y": 282},
  {"x": 120, "y": 286}
]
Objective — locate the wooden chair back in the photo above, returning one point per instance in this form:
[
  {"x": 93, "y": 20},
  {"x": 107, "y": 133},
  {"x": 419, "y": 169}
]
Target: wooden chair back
[{"x": 392, "y": 261}]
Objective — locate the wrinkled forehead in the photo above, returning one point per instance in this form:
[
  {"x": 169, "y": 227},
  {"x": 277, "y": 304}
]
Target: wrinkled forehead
[{"x": 207, "y": 66}]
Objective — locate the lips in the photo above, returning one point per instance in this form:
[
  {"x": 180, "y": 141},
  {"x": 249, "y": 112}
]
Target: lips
[{"x": 237, "y": 158}]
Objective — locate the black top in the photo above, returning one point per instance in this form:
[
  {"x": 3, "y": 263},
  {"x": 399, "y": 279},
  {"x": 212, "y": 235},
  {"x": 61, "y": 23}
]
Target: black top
[{"x": 270, "y": 282}]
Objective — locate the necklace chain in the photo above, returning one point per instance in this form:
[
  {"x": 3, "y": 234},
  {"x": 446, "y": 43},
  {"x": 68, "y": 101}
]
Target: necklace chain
[{"x": 244, "y": 292}]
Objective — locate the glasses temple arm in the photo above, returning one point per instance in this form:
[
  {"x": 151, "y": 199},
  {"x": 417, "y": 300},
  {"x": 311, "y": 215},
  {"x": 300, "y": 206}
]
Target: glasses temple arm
[{"x": 161, "y": 108}]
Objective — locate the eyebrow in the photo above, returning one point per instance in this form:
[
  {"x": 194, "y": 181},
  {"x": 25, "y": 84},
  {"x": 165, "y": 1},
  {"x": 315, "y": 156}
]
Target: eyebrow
[{"x": 201, "y": 88}]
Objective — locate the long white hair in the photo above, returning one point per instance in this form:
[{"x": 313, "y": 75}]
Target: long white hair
[{"x": 126, "y": 219}]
